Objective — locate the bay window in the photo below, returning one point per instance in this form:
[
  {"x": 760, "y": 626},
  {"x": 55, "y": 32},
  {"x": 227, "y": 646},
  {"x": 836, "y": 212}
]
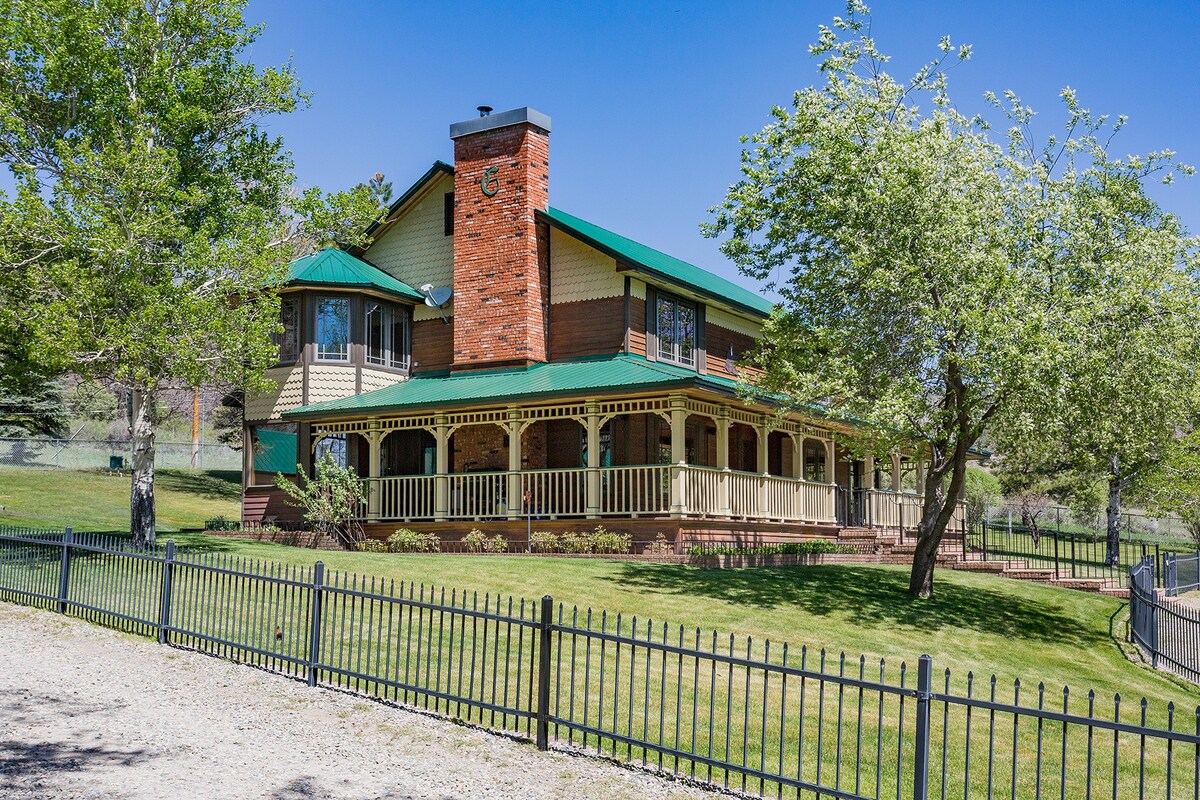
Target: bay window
[
  {"x": 289, "y": 339},
  {"x": 387, "y": 335},
  {"x": 333, "y": 329}
]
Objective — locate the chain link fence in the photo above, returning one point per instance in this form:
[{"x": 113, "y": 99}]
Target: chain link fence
[
  {"x": 114, "y": 455},
  {"x": 1135, "y": 525}
]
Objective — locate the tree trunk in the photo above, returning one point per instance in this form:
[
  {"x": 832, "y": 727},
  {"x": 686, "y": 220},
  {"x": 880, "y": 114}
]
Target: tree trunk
[
  {"x": 936, "y": 511},
  {"x": 1113, "y": 556},
  {"x": 141, "y": 495}
]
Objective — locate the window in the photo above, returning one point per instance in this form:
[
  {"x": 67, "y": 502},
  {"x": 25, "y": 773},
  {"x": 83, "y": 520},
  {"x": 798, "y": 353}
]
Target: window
[
  {"x": 676, "y": 331},
  {"x": 448, "y": 214},
  {"x": 387, "y": 335},
  {"x": 334, "y": 445},
  {"x": 333, "y": 329},
  {"x": 814, "y": 461},
  {"x": 289, "y": 339}
]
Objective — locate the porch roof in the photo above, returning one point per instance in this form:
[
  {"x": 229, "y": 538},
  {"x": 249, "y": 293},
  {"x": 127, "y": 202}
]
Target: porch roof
[
  {"x": 333, "y": 268},
  {"x": 603, "y": 375}
]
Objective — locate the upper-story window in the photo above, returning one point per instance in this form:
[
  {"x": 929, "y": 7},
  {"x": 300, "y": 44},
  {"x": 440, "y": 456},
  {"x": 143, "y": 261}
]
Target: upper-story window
[
  {"x": 289, "y": 339},
  {"x": 333, "y": 329},
  {"x": 387, "y": 335},
  {"x": 676, "y": 330}
]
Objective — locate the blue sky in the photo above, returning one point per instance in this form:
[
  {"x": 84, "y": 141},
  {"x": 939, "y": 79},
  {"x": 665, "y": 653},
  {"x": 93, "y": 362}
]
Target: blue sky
[{"x": 648, "y": 99}]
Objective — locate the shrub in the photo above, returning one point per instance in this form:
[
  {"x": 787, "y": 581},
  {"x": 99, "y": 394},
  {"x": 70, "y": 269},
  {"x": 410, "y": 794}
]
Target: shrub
[
  {"x": 809, "y": 547},
  {"x": 543, "y": 542},
  {"x": 330, "y": 500},
  {"x": 661, "y": 546},
  {"x": 406, "y": 540},
  {"x": 479, "y": 542},
  {"x": 371, "y": 546},
  {"x": 219, "y": 523},
  {"x": 606, "y": 541},
  {"x": 575, "y": 543}
]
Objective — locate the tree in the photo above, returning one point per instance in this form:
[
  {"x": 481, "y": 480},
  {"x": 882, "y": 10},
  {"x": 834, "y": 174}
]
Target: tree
[
  {"x": 927, "y": 274},
  {"x": 31, "y": 401},
  {"x": 151, "y": 211},
  {"x": 381, "y": 190},
  {"x": 330, "y": 501},
  {"x": 1172, "y": 484}
]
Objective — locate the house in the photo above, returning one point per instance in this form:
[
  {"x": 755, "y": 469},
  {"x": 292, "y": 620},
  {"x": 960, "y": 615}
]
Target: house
[{"x": 492, "y": 357}]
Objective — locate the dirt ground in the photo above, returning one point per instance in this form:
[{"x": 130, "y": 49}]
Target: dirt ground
[{"x": 87, "y": 712}]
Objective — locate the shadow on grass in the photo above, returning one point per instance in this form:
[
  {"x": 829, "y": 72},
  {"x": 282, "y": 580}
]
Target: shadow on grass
[
  {"x": 868, "y": 597},
  {"x": 214, "y": 484}
]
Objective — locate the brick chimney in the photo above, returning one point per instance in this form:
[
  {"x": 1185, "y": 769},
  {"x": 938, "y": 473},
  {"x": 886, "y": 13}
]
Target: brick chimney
[{"x": 501, "y": 264}]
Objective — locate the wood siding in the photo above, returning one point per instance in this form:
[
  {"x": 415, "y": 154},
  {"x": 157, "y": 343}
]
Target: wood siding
[
  {"x": 587, "y": 328},
  {"x": 720, "y": 340},
  {"x": 637, "y": 325},
  {"x": 432, "y": 345}
]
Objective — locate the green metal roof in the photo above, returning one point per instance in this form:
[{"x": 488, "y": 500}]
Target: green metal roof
[
  {"x": 338, "y": 269},
  {"x": 276, "y": 452},
  {"x": 660, "y": 265},
  {"x": 601, "y": 375}
]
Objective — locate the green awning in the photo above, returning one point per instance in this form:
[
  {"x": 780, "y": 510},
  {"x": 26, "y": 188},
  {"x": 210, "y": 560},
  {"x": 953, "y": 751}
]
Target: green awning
[
  {"x": 604, "y": 375},
  {"x": 659, "y": 265},
  {"x": 337, "y": 269},
  {"x": 275, "y": 451}
]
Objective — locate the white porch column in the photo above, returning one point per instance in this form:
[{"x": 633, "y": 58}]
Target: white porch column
[
  {"x": 763, "y": 429},
  {"x": 679, "y": 417},
  {"x": 920, "y": 476},
  {"x": 441, "y": 480},
  {"x": 374, "y": 438},
  {"x": 724, "y": 504},
  {"x": 896, "y": 484},
  {"x": 515, "y": 500},
  {"x": 830, "y": 495},
  {"x": 868, "y": 471},
  {"x": 797, "y": 456},
  {"x": 592, "y": 487}
]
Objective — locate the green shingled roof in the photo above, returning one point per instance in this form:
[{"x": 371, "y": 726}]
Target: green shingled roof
[
  {"x": 619, "y": 373},
  {"x": 275, "y": 452},
  {"x": 660, "y": 265},
  {"x": 338, "y": 269}
]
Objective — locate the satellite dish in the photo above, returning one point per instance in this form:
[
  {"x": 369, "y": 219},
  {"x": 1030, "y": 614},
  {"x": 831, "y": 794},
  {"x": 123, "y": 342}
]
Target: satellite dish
[
  {"x": 437, "y": 298},
  {"x": 731, "y": 363}
]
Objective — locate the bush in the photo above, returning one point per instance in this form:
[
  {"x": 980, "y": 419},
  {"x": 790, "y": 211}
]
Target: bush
[
  {"x": 371, "y": 546},
  {"x": 981, "y": 491},
  {"x": 219, "y": 523},
  {"x": 406, "y": 540},
  {"x": 606, "y": 541},
  {"x": 661, "y": 546},
  {"x": 809, "y": 547},
  {"x": 330, "y": 500},
  {"x": 479, "y": 542},
  {"x": 543, "y": 542}
]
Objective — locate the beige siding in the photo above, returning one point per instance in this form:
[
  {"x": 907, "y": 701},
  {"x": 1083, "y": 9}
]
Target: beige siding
[
  {"x": 416, "y": 249},
  {"x": 327, "y": 382},
  {"x": 288, "y": 394},
  {"x": 637, "y": 288},
  {"x": 579, "y": 272},
  {"x": 373, "y": 379},
  {"x": 729, "y": 322}
]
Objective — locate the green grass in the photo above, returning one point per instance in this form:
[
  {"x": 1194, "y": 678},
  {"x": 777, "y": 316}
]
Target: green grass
[
  {"x": 96, "y": 501},
  {"x": 975, "y": 623}
]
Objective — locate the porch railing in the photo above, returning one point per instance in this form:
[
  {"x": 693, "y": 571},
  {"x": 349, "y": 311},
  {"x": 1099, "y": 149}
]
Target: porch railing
[{"x": 631, "y": 491}]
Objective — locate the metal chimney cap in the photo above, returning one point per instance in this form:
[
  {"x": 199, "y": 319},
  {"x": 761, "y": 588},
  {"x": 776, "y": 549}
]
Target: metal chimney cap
[
  {"x": 502, "y": 119},
  {"x": 483, "y": 110}
]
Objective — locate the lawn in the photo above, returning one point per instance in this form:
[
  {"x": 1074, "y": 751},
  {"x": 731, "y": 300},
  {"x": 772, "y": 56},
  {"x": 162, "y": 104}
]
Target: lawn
[
  {"x": 96, "y": 501},
  {"x": 975, "y": 623}
]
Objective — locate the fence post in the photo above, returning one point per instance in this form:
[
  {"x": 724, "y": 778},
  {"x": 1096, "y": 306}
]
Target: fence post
[
  {"x": 921, "y": 750},
  {"x": 1072, "y": 556},
  {"x": 314, "y": 633},
  {"x": 64, "y": 570},
  {"x": 168, "y": 578},
  {"x": 543, "y": 696},
  {"x": 985, "y": 529},
  {"x": 1056, "y": 575}
]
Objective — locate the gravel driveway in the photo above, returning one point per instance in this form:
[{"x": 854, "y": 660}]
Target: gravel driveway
[{"x": 87, "y": 712}]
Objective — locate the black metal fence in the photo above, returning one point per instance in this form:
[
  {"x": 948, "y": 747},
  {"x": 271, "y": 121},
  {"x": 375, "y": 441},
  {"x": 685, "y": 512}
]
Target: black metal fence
[
  {"x": 1067, "y": 555},
  {"x": 1168, "y": 632},
  {"x": 724, "y": 710},
  {"x": 1181, "y": 573}
]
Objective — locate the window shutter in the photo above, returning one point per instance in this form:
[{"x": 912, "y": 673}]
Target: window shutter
[
  {"x": 448, "y": 213},
  {"x": 701, "y": 341}
]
